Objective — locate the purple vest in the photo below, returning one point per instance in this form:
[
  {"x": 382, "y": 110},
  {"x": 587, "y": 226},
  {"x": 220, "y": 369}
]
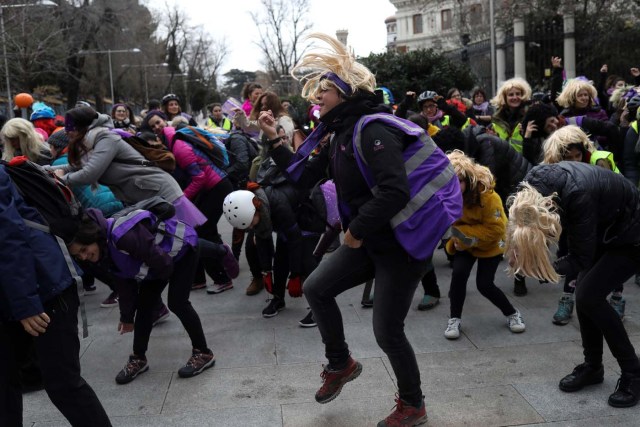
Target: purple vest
[
  {"x": 173, "y": 237},
  {"x": 436, "y": 201}
]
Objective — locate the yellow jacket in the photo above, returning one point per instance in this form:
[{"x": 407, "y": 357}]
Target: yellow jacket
[{"x": 486, "y": 223}]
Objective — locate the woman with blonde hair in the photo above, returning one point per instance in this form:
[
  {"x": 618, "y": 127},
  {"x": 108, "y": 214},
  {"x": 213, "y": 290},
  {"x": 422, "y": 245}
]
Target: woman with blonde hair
[
  {"x": 20, "y": 139},
  {"x": 510, "y": 104},
  {"x": 344, "y": 90},
  {"x": 571, "y": 143},
  {"x": 600, "y": 213},
  {"x": 477, "y": 236},
  {"x": 578, "y": 98}
]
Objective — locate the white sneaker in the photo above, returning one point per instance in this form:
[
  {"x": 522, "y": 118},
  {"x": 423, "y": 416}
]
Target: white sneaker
[
  {"x": 453, "y": 329},
  {"x": 516, "y": 324}
]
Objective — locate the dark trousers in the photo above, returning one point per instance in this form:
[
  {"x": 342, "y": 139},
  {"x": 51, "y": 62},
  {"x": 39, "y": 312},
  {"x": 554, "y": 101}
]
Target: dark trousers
[
  {"x": 58, "y": 351},
  {"x": 210, "y": 204},
  {"x": 597, "y": 318},
  {"x": 396, "y": 278},
  {"x": 430, "y": 283},
  {"x": 281, "y": 267},
  {"x": 177, "y": 300},
  {"x": 462, "y": 264}
]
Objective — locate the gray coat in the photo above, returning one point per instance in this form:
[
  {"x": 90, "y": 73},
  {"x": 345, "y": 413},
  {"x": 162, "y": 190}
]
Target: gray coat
[{"x": 129, "y": 183}]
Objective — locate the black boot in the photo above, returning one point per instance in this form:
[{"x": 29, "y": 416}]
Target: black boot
[
  {"x": 627, "y": 391},
  {"x": 519, "y": 286},
  {"x": 582, "y": 375}
]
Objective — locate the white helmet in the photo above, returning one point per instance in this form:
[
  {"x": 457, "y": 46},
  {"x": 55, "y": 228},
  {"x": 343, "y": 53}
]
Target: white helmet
[{"x": 238, "y": 208}]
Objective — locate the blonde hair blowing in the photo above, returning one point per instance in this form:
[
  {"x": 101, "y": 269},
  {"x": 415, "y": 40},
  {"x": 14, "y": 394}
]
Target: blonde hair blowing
[
  {"x": 30, "y": 143},
  {"x": 337, "y": 60},
  {"x": 534, "y": 226},
  {"x": 556, "y": 146},
  {"x": 569, "y": 94},
  {"x": 500, "y": 100},
  {"x": 617, "y": 96},
  {"x": 466, "y": 168}
]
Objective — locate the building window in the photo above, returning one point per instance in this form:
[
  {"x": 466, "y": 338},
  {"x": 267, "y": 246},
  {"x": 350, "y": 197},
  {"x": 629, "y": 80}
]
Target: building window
[
  {"x": 445, "y": 19},
  {"x": 475, "y": 14},
  {"x": 417, "y": 24}
]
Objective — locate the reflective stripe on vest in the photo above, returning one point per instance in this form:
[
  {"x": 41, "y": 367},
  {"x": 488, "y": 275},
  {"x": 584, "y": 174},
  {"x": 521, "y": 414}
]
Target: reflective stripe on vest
[
  {"x": 431, "y": 215},
  {"x": 226, "y": 123}
]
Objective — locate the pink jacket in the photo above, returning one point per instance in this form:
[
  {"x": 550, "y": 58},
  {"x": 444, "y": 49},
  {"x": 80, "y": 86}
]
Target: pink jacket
[
  {"x": 203, "y": 175},
  {"x": 247, "y": 107}
]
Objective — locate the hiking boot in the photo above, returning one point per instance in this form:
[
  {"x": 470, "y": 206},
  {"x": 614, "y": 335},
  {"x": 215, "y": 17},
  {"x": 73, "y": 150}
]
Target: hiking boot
[
  {"x": 618, "y": 304},
  {"x": 111, "y": 301},
  {"x": 428, "y": 302},
  {"x": 627, "y": 391},
  {"x": 367, "y": 302},
  {"x": 308, "y": 321},
  {"x": 230, "y": 263},
  {"x": 582, "y": 375},
  {"x": 453, "y": 329},
  {"x": 275, "y": 306},
  {"x": 565, "y": 309},
  {"x": 90, "y": 289},
  {"x": 216, "y": 288},
  {"x": 162, "y": 315},
  {"x": 515, "y": 322},
  {"x": 255, "y": 286},
  {"x": 196, "y": 286},
  {"x": 134, "y": 367},
  {"x": 333, "y": 380},
  {"x": 405, "y": 415},
  {"x": 198, "y": 362},
  {"x": 519, "y": 286}
]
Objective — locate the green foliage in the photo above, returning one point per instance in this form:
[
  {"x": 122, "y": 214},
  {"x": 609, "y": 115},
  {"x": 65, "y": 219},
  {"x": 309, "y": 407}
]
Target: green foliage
[
  {"x": 235, "y": 80},
  {"x": 418, "y": 71}
]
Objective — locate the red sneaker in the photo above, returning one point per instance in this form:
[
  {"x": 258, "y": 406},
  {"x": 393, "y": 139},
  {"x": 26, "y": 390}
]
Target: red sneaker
[
  {"x": 334, "y": 380},
  {"x": 405, "y": 415}
]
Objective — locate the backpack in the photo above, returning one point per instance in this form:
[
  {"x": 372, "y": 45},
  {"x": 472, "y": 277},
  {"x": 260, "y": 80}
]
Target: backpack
[
  {"x": 57, "y": 205},
  {"x": 206, "y": 143},
  {"x": 45, "y": 192},
  {"x": 158, "y": 206},
  {"x": 436, "y": 201},
  {"x": 319, "y": 210},
  {"x": 157, "y": 156}
]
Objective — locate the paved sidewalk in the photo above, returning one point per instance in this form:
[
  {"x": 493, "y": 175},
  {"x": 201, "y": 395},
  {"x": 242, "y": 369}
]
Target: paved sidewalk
[{"x": 267, "y": 370}]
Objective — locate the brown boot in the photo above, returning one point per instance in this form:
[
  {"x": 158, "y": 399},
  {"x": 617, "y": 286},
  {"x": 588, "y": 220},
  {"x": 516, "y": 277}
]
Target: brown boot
[{"x": 255, "y": 286}]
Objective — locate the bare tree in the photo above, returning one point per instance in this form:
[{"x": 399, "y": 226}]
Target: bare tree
[{"x": 282, "y": 25}]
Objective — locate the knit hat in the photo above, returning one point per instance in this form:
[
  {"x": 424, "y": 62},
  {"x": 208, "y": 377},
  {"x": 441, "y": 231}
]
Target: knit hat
[
  {"x": 79, "y": 118},
  {"x": 150, "y": 114},
  {"x": 539, "y": 113},
  {"x": 59, "y": 140}
]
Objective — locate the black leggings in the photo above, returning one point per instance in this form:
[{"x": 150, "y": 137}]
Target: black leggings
[
  {"x": 462, "y": 264},
  {"x": 597, "y": 318},
  {"x": 210, "y": 204},
  {"x": 178, "y": 301}
]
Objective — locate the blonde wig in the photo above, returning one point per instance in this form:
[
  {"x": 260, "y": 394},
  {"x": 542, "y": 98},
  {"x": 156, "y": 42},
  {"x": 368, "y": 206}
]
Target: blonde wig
[
  {"x": 31, "y": 144},
  {"x": 557, "y": 145},
  {"x": 500, "y": 100},
  {"x": 479, "y": 177},
  {"x": 315, "y": 66},
  {"x": 534, "y": 226},
  {"x": 569, "y": 94}
]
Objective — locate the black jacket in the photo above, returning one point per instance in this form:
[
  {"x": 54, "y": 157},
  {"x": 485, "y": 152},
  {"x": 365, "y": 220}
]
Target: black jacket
[
  {"x": 366, "y": 216},
  {"x": 599, "y": 209},
  {"x": 507, "y": 165}
]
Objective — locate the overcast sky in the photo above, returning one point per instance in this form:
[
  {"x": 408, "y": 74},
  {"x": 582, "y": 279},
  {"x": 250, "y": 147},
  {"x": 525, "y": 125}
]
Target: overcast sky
[{"x": 230, "y": 20}]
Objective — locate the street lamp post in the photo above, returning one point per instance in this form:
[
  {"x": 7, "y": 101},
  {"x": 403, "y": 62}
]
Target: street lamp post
[
  {"x": 47, "y": 3},
  {"x": 109, "y": 52},
  {"x": 146, "y": 85}
]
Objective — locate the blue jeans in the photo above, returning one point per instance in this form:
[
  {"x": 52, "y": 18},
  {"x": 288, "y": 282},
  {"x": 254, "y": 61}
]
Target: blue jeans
[{"x": 397, "y": 278}]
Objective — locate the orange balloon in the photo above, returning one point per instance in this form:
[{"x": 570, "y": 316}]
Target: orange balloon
[{"x": 23, "y": 100}]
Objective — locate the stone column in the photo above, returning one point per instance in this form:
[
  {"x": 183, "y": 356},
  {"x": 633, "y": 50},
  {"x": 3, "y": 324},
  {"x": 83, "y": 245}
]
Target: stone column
[
  {"x": 569, "y": 58},
  {"x": 519, "y": 62},
  {"x": 501, "y": 57}
]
